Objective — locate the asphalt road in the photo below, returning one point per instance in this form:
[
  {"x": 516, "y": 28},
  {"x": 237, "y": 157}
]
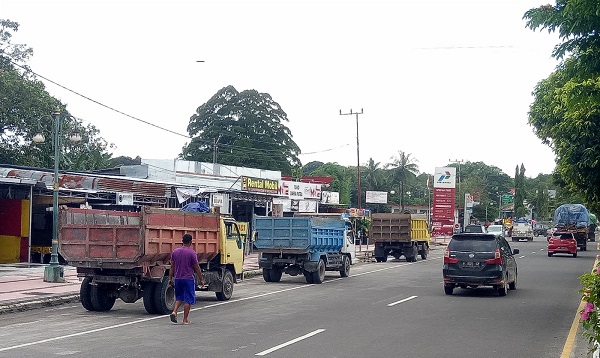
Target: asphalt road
[{"x": 395, "y": 309}]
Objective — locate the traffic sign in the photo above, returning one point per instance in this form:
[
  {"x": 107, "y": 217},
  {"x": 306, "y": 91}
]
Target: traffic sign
[{"x": 507, "y": 198}]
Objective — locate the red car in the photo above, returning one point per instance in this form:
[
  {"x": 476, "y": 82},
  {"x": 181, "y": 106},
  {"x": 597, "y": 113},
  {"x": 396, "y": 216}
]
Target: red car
[{"x": 562, "y": 242}]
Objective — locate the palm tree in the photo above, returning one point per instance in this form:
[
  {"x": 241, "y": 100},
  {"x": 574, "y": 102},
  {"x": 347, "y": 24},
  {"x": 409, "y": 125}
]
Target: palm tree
[
  {"x": 373, "y": 175},
  {"x": 403, "y": 166}
]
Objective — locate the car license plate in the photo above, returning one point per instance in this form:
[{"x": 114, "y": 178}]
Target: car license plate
[{"x": 470, "y": 264}]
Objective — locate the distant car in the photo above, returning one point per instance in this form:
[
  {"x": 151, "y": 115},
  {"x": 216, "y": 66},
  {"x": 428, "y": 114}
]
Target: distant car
[
  {"x": 474, "y": 229},
  {"x": 562, "y": 242},
  {"x": 497, "y": 230},
  {"x": 473, "y": 260}
]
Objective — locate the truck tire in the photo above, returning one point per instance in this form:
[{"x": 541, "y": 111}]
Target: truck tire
[
  {"x": 345, "y": 270},
  {"x": 148, "y": 289},
  {"x": 164, "y": 296},
  {"x": 276, "y": 275},
  {"x": 267, "y": 274},
  {"x": 309, "y": 277},
  {"x": 424, "y": 252},
  {"x": 448, "y": 289},
  {"x": 85, "y": 294},
  {"x": 227, "y": 287},
  {"x": 319, "y": 275},
  {"x": 101, "y": 297}
]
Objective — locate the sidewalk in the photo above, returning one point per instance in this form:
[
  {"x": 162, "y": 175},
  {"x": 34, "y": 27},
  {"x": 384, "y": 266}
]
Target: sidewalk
[{"x": 22, "y": 285}]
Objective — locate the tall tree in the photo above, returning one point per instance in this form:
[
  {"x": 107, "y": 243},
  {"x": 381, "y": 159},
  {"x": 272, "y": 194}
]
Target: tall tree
[
  {"x": 342, "y": 182},
  {"x": 519, "y": 204},
  {"x": 565, "y": 113},
  {"x": 404, "y": 167},
  {"x": 242, "y": 128},
  {"x": 26, "y": 109}
]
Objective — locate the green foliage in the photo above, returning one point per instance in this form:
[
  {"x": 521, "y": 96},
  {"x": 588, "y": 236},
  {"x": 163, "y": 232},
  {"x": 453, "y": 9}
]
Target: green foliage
[
  {"x": 342, "y": 179},
  {"x": 565, "y": 113},
  {"x": 247, "y": 128},
  {"x": 404, "y": 168},
  {"x": 520, "y": 195}
]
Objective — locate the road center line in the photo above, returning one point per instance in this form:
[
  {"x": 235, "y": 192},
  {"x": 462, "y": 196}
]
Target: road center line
[
  {"x": 402, "y": 301},
  {"x": 295, "y": 340}
]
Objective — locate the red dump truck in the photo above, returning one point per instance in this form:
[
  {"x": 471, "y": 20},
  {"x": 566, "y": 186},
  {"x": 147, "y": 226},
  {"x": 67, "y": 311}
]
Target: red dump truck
[{"x": 127, "y": 255}]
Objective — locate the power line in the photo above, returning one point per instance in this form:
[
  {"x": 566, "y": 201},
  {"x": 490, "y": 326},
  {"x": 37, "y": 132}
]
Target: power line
[{"x": 99, "y": 103}]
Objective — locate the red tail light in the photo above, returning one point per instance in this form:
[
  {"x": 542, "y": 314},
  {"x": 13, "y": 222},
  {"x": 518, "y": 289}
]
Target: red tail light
[
  {"x": 497, "y": 260},
  {"x": 448, "y": 259}
]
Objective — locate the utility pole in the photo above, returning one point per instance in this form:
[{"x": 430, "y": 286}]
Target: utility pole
[
  {"x": 458, "y": 196},
  {"x": 215, "y": 142},
  {"x": 357, "y": 153}
]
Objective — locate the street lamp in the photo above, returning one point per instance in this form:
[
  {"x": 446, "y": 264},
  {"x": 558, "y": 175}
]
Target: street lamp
[{"x": 54, "y": 272}]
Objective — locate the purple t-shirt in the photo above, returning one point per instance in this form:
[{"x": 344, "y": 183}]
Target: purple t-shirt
[{"x": 184, "y": 259}]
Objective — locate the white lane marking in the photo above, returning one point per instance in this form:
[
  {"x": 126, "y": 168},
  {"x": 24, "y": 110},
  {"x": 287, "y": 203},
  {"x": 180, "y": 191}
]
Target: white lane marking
[
  {"x": 521, "y": 256},
  {"x": 533, "y": 252},
  {"x": 28, "y": 344},
  {"x": 402, "y": 301},
  {"x": 270, "y": 350},
  {"x": 541, "y": 249}
]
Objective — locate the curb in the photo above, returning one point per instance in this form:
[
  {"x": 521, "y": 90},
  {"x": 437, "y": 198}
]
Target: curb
[{"x": 20, "y": 306}]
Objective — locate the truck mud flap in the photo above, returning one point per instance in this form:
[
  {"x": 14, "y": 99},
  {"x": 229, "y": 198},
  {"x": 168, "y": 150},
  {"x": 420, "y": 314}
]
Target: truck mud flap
[{"x": 311, "y": 266}]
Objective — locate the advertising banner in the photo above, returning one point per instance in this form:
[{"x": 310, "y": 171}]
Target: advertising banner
[
  {"x": 260, "y": 185},
  {"x": 297, "y": 190},
  {"x": 376, "y": 197},
  {"x": 330, "y": 197}
]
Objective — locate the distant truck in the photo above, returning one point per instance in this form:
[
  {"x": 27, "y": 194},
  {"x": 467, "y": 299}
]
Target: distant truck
[
  {"x": 574, "y": 218},
  {"x": 303, "y": 245},
  {"x": 127, "y": 255},
  {"x": 399, "y": 235},
  {"x": 522, "y": 230}
]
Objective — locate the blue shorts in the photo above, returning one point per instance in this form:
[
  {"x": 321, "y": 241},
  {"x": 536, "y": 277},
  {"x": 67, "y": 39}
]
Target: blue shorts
[{"x": 185, "y": 290}]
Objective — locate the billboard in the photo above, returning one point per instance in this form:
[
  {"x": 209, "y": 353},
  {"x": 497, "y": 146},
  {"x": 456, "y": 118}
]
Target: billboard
[
  {"x": 444, "y": 177},
  {"x": 376, "y": 197}
]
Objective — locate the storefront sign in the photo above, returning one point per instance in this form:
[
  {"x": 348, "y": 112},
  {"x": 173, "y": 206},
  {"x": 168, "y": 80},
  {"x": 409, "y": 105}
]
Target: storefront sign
[{"x": 260, "y": 185}]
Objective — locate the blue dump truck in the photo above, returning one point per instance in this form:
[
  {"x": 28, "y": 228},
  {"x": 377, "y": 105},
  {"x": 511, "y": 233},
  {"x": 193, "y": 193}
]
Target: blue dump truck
[{"x": 303, "y": 245}]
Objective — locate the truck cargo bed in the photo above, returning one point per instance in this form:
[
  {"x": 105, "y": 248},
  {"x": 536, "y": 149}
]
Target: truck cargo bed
[
  {"x": 299, "y": 234},
  {"x": 118, "y": 239}
]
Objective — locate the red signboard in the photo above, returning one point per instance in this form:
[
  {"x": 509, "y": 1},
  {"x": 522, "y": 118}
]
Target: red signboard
[{"x": 442, "y": 211}]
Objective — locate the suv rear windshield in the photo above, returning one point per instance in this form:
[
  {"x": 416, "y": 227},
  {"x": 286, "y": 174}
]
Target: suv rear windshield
[
  {"x": 474, "y": 229},
  {"x": 472, "y": 244}
]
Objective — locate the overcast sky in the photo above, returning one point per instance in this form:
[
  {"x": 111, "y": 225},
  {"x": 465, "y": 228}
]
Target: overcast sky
[{"x": 442, "y": 80}]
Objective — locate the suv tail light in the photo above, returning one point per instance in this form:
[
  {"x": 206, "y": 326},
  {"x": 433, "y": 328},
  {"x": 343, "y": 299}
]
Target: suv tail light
[
  {"x": 448, "y": 259},
  {"x": 497, "y": 260}
]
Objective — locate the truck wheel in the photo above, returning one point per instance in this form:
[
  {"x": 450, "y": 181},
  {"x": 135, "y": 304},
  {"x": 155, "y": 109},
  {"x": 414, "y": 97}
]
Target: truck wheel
[
  {"x": 85, "y": 294},
  {"x": 148, "y": 289},
  {"x": 276, "y": 275},
  {"x": 345, "y": 270},
  {"x": 164, "y": 296},
  {"x": 378, "y": 259},
  {"x": 227, "y": 287},
  {"x": 384, "y": 258},
  {"x": 101, "y": 297},
  {"x": 309, "y": 277},
  {"x": 425, "y": 252},
  {"x": 319, "y": 275},
  {"x": 267, "y": 274}
]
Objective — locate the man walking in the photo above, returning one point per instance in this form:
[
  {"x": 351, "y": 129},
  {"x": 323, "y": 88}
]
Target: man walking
[{"x": 184, "y": 262}]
